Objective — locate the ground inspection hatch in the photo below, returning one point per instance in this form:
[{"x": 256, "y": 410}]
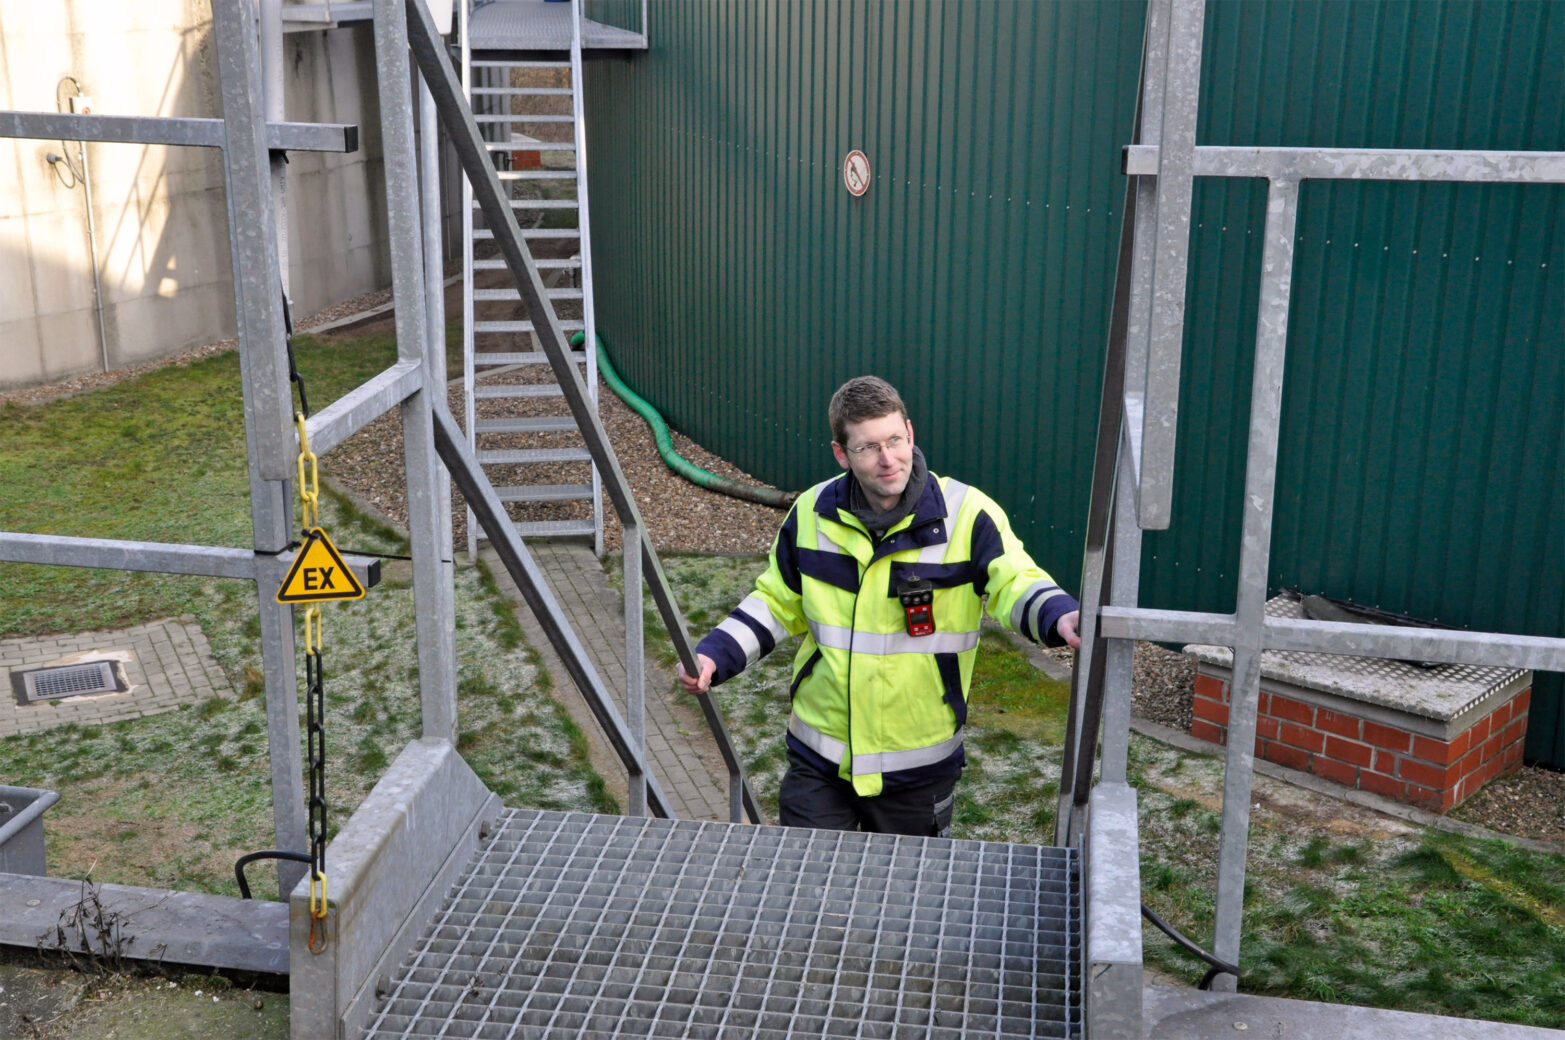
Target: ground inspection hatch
[{"x": 52, "y": 684}]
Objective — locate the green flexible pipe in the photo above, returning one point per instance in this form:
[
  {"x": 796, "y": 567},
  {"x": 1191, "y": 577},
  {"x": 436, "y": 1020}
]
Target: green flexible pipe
[{"x": 693, "y": 473}]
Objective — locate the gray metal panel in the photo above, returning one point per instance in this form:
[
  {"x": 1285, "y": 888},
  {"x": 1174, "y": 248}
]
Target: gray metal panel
[{"x": 570, "y": 925}]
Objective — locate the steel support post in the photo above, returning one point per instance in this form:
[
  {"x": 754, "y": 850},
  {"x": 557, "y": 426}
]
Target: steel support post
[
  {"x": 1260, "y": 482},
  {"x": 635, "y": 664},
  {"x": 589, "y": 312},
  {"x": 1181, "y": 85},
  {"x": 434, "y": 276},
  {"x": 267, "y": 406},
  {"x": 272, "y": 79},
  {"x": 469, "y": 408},
  {"x": 433, "y": 595}
]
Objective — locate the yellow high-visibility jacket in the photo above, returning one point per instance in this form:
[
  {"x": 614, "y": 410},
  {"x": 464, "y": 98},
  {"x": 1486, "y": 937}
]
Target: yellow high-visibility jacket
[{"x": 884, "y": 707}]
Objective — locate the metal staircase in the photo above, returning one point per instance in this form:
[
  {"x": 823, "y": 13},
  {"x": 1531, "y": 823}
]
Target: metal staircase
[{"x": 528, "y": 105}]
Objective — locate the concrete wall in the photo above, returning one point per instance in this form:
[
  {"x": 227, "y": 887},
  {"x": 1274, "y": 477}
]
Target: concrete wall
[{"x": 162, "y": 230}]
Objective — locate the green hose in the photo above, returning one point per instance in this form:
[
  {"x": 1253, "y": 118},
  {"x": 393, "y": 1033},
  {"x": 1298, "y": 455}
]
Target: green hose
[{"x": 693, "y": 473}]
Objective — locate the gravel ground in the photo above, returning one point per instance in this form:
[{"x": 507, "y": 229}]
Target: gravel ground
[{"x": 685, "y": 518}]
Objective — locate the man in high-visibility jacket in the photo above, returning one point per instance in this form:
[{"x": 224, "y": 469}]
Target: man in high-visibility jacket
[{"x": 885, "y": 570}]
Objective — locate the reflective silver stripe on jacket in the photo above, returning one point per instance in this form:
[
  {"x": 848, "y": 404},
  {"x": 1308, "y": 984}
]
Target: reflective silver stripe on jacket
[
  {"x": 836, "y": 637},
  {"x": 1027, "y": 623},
  {"x": 829, "y": 748},
  {"x": 755, "y": 608},
  {"x": 895, "y": 761},
  {"x": 955, "y": 491}
]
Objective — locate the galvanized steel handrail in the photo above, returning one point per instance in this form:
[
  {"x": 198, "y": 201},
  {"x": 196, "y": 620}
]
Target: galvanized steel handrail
[
  {"x": 1132, "y": 481},
  {"x": 429, "y": 54}
]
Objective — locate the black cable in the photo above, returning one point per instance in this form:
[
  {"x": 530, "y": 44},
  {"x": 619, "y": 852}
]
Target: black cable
[
  {"x": 244, "y": 861},
  {"x": 293, "y": 369},
  {"x": 1219, "y": 967}
]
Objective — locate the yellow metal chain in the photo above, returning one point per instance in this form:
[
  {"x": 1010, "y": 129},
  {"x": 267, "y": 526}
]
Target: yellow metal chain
[
  {"x": 309, "y": 479},
  {"x": 309, "y": 516}
]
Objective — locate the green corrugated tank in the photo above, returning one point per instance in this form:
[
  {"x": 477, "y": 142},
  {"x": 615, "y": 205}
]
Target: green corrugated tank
[{"x": 1421, "y": 468}]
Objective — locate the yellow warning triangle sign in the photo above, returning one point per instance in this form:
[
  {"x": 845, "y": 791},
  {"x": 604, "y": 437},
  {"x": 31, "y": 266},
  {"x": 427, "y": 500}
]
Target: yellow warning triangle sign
[{"x": 318, "y": 573}]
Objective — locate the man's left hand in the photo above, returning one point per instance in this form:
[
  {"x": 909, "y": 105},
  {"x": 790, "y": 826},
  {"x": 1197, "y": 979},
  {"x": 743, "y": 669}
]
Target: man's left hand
[{"x": 1069, "y": 628}]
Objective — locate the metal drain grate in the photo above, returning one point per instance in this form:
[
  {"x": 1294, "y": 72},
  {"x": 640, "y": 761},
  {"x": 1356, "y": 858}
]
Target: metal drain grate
[
  {"x": 52, "y": 684},
  {"x": 569, "y": 925}
]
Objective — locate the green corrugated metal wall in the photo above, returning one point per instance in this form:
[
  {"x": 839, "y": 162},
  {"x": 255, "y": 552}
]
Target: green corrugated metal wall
[{"x": 1421, "y": 462}]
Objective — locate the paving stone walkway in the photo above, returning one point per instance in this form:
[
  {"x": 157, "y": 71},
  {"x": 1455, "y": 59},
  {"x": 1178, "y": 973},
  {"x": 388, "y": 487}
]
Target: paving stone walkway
[
  {"x": 680, "y": 748},
  {"x": 165, "y": 664}
]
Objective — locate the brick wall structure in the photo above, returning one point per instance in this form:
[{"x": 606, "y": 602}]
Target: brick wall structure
[
  {"x": 1380, "y": 757},
  {"x": 1427, "y": 736}
]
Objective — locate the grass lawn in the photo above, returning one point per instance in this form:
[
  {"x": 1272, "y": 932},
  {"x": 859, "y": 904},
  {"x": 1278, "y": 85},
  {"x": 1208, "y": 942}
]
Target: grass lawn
[
  {"x": 1341, "y": 905},
  {"x": 172, "y": 799}
]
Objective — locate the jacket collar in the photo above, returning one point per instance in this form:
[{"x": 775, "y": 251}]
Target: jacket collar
[{"x": 832, "y": 503}]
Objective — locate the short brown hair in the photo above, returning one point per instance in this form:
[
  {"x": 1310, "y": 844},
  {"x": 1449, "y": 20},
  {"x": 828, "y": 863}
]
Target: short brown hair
[{"x": 861, "y": 398}]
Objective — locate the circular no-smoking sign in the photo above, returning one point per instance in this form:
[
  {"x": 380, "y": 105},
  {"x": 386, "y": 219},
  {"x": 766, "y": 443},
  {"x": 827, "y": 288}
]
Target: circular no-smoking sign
[{"x": 855, "y": 173}]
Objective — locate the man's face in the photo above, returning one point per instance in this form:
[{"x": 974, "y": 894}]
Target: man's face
[{"x": 883, "y": 472}]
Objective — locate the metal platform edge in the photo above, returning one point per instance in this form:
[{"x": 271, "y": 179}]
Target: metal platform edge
[
  {"x": 156, "y": 926},
  {"x": 386, "y": 872}
]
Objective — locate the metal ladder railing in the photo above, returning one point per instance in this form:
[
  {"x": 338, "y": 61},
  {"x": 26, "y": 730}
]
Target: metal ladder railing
[
  {"x": 502, "y": 365},
  {"x": 493, "y": 199},
  {"x": 1133, "y": 468}
]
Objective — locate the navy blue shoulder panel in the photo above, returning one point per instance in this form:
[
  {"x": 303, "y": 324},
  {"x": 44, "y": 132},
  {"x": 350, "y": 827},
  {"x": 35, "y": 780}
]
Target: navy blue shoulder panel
[
  {"x": 788, "y": 552},
  {"x": 837, "y": 569},
  {"x": 986, "y": 548},
  {"x": 832, "y": 497}
]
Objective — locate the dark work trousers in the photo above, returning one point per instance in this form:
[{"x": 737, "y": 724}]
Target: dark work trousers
[{"x": 811, "y": 798}]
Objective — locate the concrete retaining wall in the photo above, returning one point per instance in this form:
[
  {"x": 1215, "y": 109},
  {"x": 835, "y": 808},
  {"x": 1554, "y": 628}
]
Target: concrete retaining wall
[{"x": 162, "y": 229}]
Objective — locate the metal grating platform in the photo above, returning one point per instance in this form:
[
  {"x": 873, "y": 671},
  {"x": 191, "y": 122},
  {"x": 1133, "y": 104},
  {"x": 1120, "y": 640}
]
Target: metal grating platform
[
  {"x": 571, "y": 925},
  {"x": 509, "y": 25}
]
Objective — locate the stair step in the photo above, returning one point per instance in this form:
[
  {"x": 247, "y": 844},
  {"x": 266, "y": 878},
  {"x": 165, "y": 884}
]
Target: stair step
[
  {"x": 537, "y": 175},
  {"x": 496, "y": 64},
  {"x": 555, "y": 528},
  {"x": 528, "y": 357},
  {"x": 522, "y": 117},
  {"x": 527, "y": 424},
  {"x": 574, "y": 263},
  {"x": 528, "y": 456},
  {"x": 530, "y": 146},
  {"x": 484, "y": 234},
  {"x": 507, "y": 391},
  {"x": 522, "y": 326},
  {"x": 537, "y": 204},
  {"x": 546, "y": 493},
  {"x": 522, "y": 91},
  {"x": 499, "y": 295}
]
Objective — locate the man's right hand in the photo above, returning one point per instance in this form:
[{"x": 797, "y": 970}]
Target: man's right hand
[{"x": 698, "y": 684}]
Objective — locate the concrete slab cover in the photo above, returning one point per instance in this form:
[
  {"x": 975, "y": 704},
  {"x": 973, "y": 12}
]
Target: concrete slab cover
[
  {"x": 155, "y": 924},
  {"x": 1441, "y": 693},
  {"x": 570, "y": 925},
  {"x": 1189, "y": 1014}
]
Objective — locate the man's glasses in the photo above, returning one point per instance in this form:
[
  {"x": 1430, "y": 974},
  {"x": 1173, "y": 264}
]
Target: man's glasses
[{"x": 889, "y": 444}]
